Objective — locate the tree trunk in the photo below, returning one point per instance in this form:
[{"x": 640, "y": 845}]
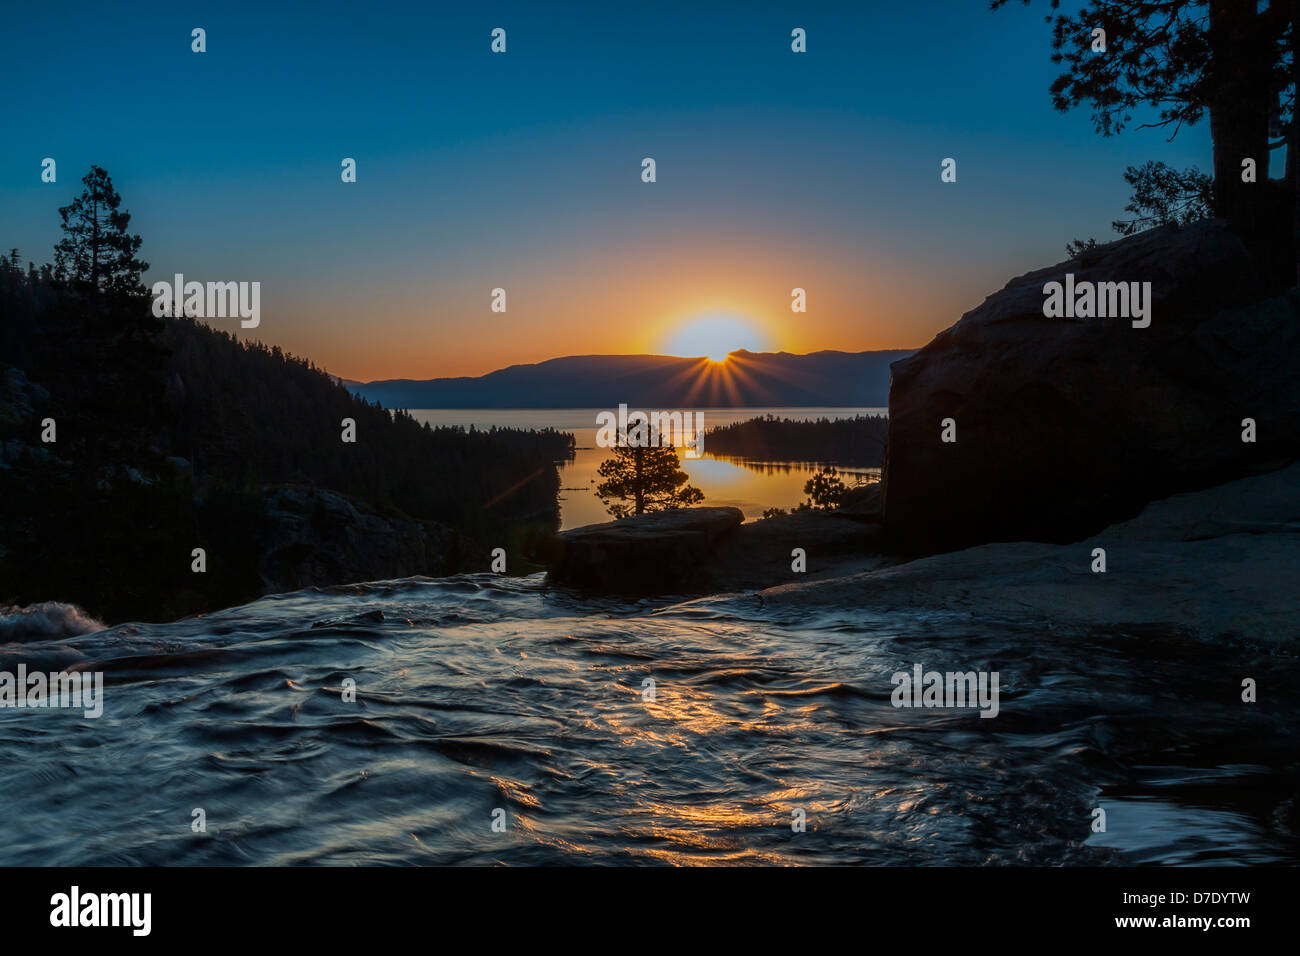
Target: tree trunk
[
  {"x": 639, "y": 457},
  {"x": 94, "y": 246},
  {"x": 1293, "y": 147},
  {"x": 1238, "y": 106}
]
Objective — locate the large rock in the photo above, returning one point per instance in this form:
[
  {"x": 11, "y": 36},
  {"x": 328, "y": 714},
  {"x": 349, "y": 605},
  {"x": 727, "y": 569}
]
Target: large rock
[
  {"x": 861, "y": 503},
  {"x": 1064, "y": 426},
  {"x": 659, "y": 553}
]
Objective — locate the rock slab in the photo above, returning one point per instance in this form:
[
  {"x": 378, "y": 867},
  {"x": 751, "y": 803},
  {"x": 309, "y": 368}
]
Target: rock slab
[
  {"x": 660, "y": 553},
  {"x": 1215, "y": 563}
]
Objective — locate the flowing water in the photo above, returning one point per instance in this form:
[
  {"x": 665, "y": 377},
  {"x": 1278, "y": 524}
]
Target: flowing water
[{"x": 480, "y": 694}]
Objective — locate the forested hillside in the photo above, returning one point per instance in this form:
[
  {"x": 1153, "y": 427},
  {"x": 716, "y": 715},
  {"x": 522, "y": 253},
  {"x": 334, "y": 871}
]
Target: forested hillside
[
  {"x": 859, "y": 440},
  {"x": 128, "y": 441}
]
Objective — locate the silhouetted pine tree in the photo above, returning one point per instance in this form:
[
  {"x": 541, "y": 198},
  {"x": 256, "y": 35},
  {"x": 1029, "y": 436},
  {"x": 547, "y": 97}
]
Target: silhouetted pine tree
[
  {"x": 640, "y": 479},
  {"x": 104, "y": 328},
  {"x": 97, "y": 254}
]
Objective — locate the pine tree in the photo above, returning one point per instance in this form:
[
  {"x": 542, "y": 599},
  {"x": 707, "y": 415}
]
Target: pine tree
[
  {"x": 105, "y": 332},
  {"x": 825, "y": 489},
  {"x": 97, "y": 254},
  {"x": 647, "y": 479}
]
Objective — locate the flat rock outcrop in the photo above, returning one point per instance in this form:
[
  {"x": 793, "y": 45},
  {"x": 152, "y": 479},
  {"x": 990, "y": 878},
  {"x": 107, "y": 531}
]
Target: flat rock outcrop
[
  {"x": 709, "y": 551},
  {"x": 759, "y": 554},
  {"x": 1064, "y": 426},
  {"x": 659, "y": 553},
  {"x": 1218, "y": 562}
]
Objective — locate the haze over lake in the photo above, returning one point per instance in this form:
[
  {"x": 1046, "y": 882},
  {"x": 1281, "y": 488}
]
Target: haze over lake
[{"x": 748, "y": 485}]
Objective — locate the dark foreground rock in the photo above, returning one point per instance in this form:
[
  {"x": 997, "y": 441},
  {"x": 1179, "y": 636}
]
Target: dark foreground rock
[
  {"x": 709, "y": 551},
  {"x": 1064, "y": 426},
  {"x": 314, "y": 537},
  {"x": 1216, "y": 563},
  {"x": 861, "y": 503},
  {"x": 659, "y": 553},
  {"x": 760, "y": 554}
]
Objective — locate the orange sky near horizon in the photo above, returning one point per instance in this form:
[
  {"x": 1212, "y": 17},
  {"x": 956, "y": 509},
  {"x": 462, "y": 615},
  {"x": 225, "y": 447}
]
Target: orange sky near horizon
[
  {"x": 617, "y": 301},
  {"x": 822, "y": 170}
]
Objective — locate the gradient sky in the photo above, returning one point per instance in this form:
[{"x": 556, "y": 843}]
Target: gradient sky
[{"x": 522, "y": 170}]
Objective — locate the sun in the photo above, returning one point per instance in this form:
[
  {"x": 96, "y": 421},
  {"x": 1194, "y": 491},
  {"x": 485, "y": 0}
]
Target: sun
[{"x": 713, "y": 336}]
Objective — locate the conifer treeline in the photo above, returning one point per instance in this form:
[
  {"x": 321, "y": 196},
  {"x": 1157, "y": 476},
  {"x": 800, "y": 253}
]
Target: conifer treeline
[
  {"x": 841, "y": 441},
  {"x": 168, "y": 432},
  {"x": 231, "y": 403}
]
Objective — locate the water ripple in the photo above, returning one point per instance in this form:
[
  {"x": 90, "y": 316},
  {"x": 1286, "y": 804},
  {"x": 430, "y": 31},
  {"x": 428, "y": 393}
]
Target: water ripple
[{"x": 481, "y": 700}]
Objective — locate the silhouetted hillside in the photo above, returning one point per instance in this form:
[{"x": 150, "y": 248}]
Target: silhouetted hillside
[
  {"x": 745, "y": 380},
  {"x": 169, "y": 436},
  {"x": 245, "y": 413}
]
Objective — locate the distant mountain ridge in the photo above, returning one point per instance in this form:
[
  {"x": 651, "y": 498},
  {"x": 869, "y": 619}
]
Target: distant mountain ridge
[{"x": 745, "y": 380}]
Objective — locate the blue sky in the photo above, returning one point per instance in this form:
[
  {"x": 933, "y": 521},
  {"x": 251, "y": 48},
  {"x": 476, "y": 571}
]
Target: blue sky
[{"x": 478, "y": 170}]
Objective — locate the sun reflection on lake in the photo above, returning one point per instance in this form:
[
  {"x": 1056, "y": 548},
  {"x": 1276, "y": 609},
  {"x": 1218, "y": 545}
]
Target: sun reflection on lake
[{"x": 726, "y": 482}]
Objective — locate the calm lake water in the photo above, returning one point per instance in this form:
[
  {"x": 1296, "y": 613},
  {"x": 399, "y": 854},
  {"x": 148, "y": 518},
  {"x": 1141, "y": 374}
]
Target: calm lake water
[{"x": 747, "y": 485}]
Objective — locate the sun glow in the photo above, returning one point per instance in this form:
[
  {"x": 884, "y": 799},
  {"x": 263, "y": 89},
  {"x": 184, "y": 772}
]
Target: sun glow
[{"x": 714, "y": 337}]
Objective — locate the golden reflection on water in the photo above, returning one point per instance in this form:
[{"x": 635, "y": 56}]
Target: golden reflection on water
[
  {"x": 726, "y": 482},
  {"x": 713, "y": 829}
]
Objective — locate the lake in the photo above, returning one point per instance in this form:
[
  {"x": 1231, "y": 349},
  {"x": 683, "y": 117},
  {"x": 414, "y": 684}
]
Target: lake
[{"x": 739, "y": 483}]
